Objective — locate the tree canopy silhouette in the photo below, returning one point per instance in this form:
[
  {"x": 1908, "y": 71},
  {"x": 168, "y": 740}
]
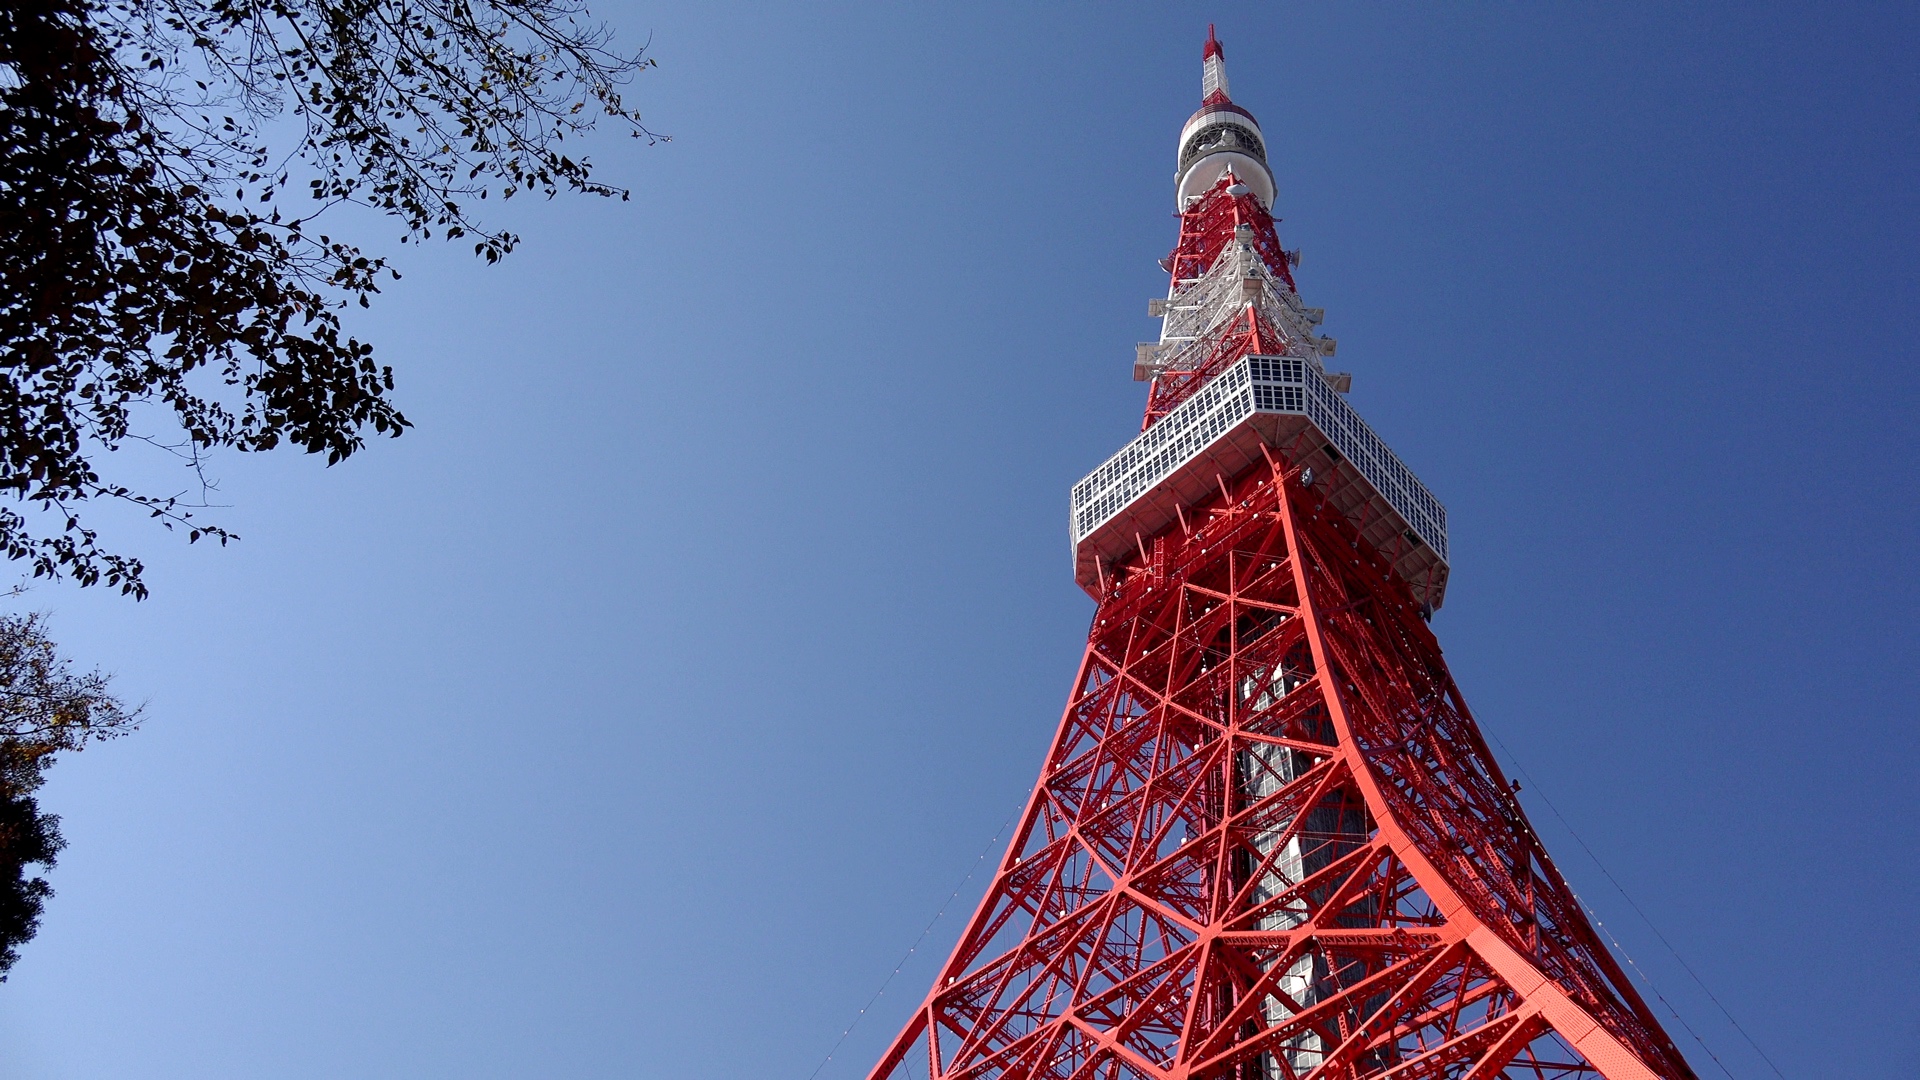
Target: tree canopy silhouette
[
  {"x": 163, "y": 164},
  {"x": 45, "y": 708}
]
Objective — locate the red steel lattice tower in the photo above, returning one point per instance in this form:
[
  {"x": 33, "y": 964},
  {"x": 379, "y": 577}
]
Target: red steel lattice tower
[{"x": 1269, "y": 841}]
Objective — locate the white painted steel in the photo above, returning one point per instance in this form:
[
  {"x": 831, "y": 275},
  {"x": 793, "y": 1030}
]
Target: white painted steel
[
  {"x": 1197, "y": 310},
  {"x": 1179, "y": 437},
  {"x": 1213, "y": 75},
  {"x": 1206, "y": 171},
  {"x": 1223, "y": 421},
  {"x": 1382, "y": 467}
]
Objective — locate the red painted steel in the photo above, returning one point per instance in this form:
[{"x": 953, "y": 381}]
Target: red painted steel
[
  {"x": 1205, "y": 228},
  {"x": 1209, "y": 223},
  {"x": 1269, "y": 842},
  {"x": 1261, "y": 690}
]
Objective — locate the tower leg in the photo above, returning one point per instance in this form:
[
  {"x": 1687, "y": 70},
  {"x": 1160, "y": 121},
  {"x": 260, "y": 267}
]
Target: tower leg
[{"x": 1268, "y": 843}]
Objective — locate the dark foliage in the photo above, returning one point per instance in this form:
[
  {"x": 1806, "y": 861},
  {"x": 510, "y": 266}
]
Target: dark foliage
[
  {"x": 44, "y": 708},
  {"x": 161, "y": 166},
  {"x": 27, "y": 837}
]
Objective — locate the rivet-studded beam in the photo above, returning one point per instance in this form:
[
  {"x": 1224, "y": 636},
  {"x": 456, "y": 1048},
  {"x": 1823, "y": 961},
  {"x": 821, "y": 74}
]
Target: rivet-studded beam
[{"x": 1276, "y": 402}]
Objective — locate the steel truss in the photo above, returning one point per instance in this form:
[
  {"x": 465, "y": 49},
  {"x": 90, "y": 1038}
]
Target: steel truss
[
  {"x": 1269, "y": 843},
  {"x": 1232, "y": 294}
]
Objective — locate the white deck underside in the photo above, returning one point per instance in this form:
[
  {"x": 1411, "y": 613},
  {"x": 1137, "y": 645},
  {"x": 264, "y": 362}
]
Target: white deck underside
[{"x": 1283, "y": 405}]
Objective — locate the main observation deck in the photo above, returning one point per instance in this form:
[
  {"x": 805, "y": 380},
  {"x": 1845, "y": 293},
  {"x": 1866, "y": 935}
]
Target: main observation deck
[{"x": 1278, "y": 402}]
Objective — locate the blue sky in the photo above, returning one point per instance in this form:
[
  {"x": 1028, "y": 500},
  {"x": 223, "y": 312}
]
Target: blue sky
[{"x": 633, "y": 714}]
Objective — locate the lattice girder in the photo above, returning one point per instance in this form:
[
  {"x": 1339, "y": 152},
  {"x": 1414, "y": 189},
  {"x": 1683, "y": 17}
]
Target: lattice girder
[{"x": 1269, "y": 843}]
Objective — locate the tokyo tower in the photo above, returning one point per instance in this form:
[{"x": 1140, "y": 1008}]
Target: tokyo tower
[{"x": 1269, "y": 841}]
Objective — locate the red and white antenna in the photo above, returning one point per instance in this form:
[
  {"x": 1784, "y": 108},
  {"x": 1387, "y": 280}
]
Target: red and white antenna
[
  {"x": 1221, "y": 137},
  {"x": 1213, "y": 75}
]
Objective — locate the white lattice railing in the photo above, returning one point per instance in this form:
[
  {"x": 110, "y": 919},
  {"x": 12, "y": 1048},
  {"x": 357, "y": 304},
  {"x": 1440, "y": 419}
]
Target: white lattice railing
[{"x": 1256, "y": 384}]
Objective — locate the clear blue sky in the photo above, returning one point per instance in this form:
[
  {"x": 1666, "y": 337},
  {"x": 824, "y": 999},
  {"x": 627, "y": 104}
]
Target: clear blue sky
[{"x": 632, "y": 715}]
